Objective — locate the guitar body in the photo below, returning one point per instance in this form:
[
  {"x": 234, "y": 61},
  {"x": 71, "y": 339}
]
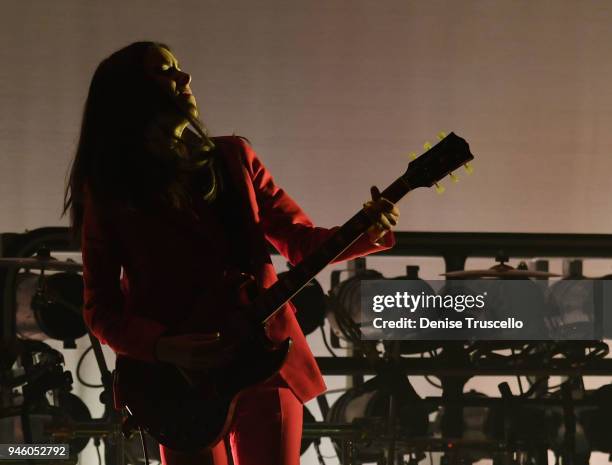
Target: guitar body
[{"x": 188, "y": 411}]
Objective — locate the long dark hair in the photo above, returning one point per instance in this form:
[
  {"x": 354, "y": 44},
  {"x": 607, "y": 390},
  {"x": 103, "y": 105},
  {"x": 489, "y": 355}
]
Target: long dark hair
[{"x": 112, "y": 160}]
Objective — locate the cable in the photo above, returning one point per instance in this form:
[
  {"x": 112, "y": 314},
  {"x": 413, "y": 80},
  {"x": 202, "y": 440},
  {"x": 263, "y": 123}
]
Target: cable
[
  {"x": 144, "y": 446},
  {"x": 432, "y": 354},
  {"x": 319, "y": 455},
  {"x": 78, "y": 371},
  {"x": 432, "y": 382},
  {"x": 556, "y": 387},
  {"x": 97, "y": 444},
  {"x": 326, "y": 342}
]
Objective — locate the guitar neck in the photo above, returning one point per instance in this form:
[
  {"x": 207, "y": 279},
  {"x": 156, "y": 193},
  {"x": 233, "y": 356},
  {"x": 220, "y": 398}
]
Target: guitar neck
[
  {"x": 272, "y": 299},
  {"x": 437, "y": 162}
]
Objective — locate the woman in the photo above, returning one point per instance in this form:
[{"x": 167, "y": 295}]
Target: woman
[{"x": 177, "y": 211}]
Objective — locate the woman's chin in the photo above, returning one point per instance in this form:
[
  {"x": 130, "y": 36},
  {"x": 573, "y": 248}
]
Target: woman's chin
[{"x": 191, "y": 107}]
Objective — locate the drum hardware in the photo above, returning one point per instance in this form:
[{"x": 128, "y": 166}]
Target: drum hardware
[
  {"x": 38, "y": 371},
  {"x": 501, "y": 271},
  {"x": 574, "y": 353},
  {"x": 351, "y": 437},
  {"x": 48, "y": 306},
  {"x": 577, "y": 304},
  {"x": 41, "y": 261},
  {"x": 77, "y": 428},
  {"x": 572, "y": 269},
  {"x": 539, "y": 264},
  {"x": 41, "y": 373},
  {"x": 400, "y": 391},
  {"x": 77, "y": 412},
  {"x": 507, "y": 429},
  {"x": 308, "y": 418},
  {"x": 28, "y": 245},
  {"x": 113, "y": 432},
  {"x": 510, "y": 429},
  {"x": 95, "y": 428},
  {"x": 114, "y": 444},
  {"x": 390, "y": 408},
  {"x": 452, "y": 424},
  {"x": 54, "y": 311},
  {"x": 345, "y": 437},
  {"x": 471, "y": 424},
  {"x": 36, "y": 358}
]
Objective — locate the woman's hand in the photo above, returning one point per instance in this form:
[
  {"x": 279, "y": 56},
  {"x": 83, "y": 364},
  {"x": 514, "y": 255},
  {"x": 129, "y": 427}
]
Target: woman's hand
[
  {"x": 193, "y": 351},
  {"x": 384, "y": 214}
]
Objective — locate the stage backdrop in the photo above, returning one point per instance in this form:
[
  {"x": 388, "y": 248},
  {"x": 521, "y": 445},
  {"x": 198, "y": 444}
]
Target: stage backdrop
[{"x": 333, "y": 96}]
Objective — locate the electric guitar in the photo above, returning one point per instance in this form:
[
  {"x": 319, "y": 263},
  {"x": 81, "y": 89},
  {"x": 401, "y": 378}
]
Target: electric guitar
[{"x": 190, "y": 411}]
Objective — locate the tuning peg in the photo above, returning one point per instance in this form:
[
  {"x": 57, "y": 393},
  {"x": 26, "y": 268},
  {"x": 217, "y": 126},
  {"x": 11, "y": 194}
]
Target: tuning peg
[
  {"x": 441, "y": 135},
  {"x": 427, "y": 145},
  {"x": 454, "y": 177},
  {"x": 412, "y": 155},
  {"x": 468, "y": 168},
  {"x": 439, "y": 188}
]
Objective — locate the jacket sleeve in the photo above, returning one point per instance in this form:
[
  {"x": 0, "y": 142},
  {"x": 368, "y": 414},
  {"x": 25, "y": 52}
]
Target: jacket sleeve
[
  {"x": 287, "y": 227},
  {"x": 126, "y": 333}
]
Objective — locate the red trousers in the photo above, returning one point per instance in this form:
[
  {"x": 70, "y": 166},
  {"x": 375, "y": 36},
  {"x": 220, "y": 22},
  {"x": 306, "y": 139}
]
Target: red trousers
[{"x": 267, "y": 430}]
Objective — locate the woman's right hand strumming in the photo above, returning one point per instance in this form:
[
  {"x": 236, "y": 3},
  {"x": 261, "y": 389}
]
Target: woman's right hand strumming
[{"x": 193, "y": 351}]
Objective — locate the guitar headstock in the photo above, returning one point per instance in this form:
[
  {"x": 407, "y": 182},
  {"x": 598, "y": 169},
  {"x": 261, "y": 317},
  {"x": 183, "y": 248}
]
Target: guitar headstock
[{"x": 439, "y": 161}]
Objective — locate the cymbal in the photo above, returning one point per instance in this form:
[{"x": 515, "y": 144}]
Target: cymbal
[
  {"x": 502, "y": 271},
  {"x": 40, "y": 263},
  {"x": 497, "y": 273}
]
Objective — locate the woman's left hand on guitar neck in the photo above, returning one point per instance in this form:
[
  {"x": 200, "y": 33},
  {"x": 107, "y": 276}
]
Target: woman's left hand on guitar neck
[{"x": 383, "y": 212}]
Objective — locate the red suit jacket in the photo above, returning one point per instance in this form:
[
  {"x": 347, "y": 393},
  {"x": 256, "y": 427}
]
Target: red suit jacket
[{"x": 169, "y": 258}]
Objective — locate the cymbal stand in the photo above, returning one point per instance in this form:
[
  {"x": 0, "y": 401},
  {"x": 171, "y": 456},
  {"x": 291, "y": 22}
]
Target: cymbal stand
[
  {"x": 114, "y": 447},
  {"x": 391, "y": 453}
]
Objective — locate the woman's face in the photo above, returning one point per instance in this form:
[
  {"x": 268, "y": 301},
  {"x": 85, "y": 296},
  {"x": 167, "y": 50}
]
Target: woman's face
[{"x": 161, "y": 66}]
